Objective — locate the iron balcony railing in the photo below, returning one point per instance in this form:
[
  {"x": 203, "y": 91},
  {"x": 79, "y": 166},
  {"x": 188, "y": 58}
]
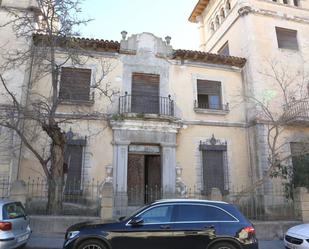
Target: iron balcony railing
[
  {"x": 207, "y": 106},
  {"x": 297, "y": 111},
  {"x": 146, "y": 105}
]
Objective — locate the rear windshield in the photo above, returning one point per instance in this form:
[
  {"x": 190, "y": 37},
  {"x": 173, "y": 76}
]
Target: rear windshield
[{"x": 13, "y": 211}]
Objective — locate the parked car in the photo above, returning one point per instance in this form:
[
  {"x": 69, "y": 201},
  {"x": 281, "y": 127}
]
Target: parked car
[
  {"x": 297, "y": 237},
  {"x": 14, "y": 225},
  {"x": 169, "y": 224}
]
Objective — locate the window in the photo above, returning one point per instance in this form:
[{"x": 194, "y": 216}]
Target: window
[
  {"x": 222, "y": 14},
  {"x": 157, "y": 214},
  {"x": 13, "y": 211},
  {"x": 214, "y": 167},
  {"x": 209, "y": 94},
  {"x": 228, "y": 6},
  {"x": 186, "y": 213},
  {"x": 145, "y": 93},
  {"x": 285, "y": 1},
  {"x": 300, "y": 161},
  {"x": 72, "y": 167},
  {"x": 296, "y": 3},
  {"x": 75, "y": 84},
  {"x": 287, "y": 38},
  {"x": 224, "y": 50}
]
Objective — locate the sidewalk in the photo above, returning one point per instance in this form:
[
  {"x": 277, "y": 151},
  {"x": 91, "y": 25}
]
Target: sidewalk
[{"x": 55, "y": 241}]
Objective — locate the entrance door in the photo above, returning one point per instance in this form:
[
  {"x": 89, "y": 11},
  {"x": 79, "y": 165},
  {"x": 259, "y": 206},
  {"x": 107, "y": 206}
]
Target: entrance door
[
  {"x": 144, "y": 179},
  {"x": 152, "y": 178}
]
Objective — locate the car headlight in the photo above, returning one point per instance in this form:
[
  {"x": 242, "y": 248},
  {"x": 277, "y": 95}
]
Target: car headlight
[{"x": 72, "y": 234}]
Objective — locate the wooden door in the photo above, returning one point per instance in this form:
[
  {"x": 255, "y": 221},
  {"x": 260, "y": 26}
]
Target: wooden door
[
  {"x": 153, "y": 178},
  {"x": 136, "y": 179}
]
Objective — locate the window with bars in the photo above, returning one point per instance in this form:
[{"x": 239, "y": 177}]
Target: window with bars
[
  {"x": 75, "y": 84},
  {"x": 215, "y": 173},
  {"x": 209, "y": 94},
  {"x": 224, "y": 50},
  {"x": 287, "y": 38}
]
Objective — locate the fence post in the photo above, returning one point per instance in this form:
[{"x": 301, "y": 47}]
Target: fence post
[
  {"x": 19, "y": 192},
  {"x": 301, "y": 200},
  {"x": 107, "y": 201}
]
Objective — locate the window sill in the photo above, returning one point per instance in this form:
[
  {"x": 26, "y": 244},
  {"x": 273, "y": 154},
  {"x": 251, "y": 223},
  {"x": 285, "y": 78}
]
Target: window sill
[
  {"x": 211, "y": 111},
  {"x": 76, "y": 102}
]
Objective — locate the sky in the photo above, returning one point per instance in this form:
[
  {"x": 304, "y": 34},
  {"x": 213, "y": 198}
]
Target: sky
[{"x": 160, "y": 17}]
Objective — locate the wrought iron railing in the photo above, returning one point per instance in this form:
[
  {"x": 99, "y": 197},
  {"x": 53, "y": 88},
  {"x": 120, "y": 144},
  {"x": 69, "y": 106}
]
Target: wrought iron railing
[
  {"x": 297, "y": 111},
  {"x": 206, "y": 106},
  {"x": 146, "y": 105}
]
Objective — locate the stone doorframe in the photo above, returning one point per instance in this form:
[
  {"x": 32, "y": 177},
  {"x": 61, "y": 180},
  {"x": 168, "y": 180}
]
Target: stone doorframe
[{"x": 144, "y": 132}]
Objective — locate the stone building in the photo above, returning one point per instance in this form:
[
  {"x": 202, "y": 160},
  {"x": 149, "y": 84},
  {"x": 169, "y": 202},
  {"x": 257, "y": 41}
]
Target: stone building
[{"x": 178, "y": 120}]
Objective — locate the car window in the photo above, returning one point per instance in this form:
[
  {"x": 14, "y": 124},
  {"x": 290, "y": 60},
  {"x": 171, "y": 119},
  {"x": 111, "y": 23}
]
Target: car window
[
  {"x": 13, "y": 211},
  {"x": 157, "y": 214},
  {"x": 185, "y": 213}
]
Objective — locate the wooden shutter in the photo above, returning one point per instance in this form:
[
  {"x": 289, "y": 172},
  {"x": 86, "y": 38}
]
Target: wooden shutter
[
  {"x": 145, "y": 93},
  {"x": 209, "y": 87},
  {"x": 75, "y": 84},
  {"x": 287, "y": 38}
]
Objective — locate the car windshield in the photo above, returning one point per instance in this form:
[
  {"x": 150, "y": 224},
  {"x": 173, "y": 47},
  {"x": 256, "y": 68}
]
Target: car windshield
[{"x": 13, "y": 211}]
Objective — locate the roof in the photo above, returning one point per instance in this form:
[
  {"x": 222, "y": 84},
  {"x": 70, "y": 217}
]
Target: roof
[
  {"x": 114, "y": 46},
  {"x": 209, "y": 58},
  {"x": 187, "y": 200},
  {"x": 198, "y": 10},
  {"x": 85, "y": 43}
]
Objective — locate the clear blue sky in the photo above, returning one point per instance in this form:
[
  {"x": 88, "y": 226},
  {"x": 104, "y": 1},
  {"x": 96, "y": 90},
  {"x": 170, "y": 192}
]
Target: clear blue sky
[{"x": 160, "y": 17}]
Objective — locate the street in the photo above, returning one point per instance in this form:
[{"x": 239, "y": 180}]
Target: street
[{"x": 56, "y": 241}]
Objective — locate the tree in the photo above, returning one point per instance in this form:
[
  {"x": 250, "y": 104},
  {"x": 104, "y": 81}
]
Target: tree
[
  {"x": 279, "y": 107},
  {"x": 57, "y": 22}
]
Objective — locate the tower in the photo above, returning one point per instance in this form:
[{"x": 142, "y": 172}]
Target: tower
[{"x": 266, "y": 33}]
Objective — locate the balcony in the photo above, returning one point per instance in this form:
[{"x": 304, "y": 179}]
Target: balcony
[
  {"x": 297, "y": 113},
  {"x": 204, "y": 107},
  {"x": 138, "y": 104}
]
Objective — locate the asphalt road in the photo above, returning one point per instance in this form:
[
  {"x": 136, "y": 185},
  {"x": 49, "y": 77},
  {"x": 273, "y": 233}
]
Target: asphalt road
[{"x": 56, "y": 242}]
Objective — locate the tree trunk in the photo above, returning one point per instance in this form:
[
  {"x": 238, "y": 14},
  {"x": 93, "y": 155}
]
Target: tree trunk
[{"x": 55, "y": 183}]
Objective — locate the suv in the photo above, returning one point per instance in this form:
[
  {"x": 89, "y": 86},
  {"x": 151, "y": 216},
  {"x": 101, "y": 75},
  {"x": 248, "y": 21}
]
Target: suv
[
  {"x": 14, "y": 225},
  {"x": 169, "y": 224}
]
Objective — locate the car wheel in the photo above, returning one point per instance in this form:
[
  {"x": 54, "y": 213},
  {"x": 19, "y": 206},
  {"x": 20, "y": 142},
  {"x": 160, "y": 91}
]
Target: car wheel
[
  {"x": 223, "y": 245},
  {"x": 92, "y": 244}
]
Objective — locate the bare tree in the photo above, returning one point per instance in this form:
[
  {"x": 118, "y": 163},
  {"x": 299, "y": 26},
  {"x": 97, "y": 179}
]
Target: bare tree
[
  {"x": 277, "y": 108},
  {"x": 57, "y": 22}
]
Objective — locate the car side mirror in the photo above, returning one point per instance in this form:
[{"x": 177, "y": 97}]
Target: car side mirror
[
  {"x": 136, "y": 221},
  {"x": 121, "y": 218}
]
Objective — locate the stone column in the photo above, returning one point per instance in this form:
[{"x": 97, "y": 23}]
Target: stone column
[
  {"x": 168, "y": 170},
  {"x": 120, "y": 176}
]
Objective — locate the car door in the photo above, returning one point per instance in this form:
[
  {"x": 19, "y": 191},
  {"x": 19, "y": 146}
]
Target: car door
[
  {"x": 15, "y": 214},
  {"x": 151, "y": 229},
  {"x": 193, "y": 230}
]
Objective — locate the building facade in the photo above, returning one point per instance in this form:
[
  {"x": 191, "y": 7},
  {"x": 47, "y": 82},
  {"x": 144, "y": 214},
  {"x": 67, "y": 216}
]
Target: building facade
[{"x": 176, "y": 120}]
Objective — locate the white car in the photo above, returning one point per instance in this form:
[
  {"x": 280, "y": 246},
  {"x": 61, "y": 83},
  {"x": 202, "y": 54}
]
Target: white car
[
  {"x": 297, "y": 237},
  {"x": 14, "y": 225}
]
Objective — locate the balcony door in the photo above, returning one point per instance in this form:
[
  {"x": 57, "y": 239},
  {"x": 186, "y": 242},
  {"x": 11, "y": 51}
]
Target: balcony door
[{"x": 145, "y": 93}]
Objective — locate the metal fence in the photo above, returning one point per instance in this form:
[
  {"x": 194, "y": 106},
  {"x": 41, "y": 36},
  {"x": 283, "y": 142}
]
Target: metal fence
[
  {"x": 4, "y": 188},
  {"x": 255, "y": 206},
  {"x": 79, "y": 198}
]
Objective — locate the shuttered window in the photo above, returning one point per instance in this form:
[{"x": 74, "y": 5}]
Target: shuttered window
[
  {"x": 287, "y": 38},
  {"x": 209, "y": 94},
  {"x": 214, "y": 168},
  {"x": 75, "y": 84},
  {"x": 145, "y": 93}
]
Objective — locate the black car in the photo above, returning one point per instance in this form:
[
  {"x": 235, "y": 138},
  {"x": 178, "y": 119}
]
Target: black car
[{"x": 169, "y": 224}]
